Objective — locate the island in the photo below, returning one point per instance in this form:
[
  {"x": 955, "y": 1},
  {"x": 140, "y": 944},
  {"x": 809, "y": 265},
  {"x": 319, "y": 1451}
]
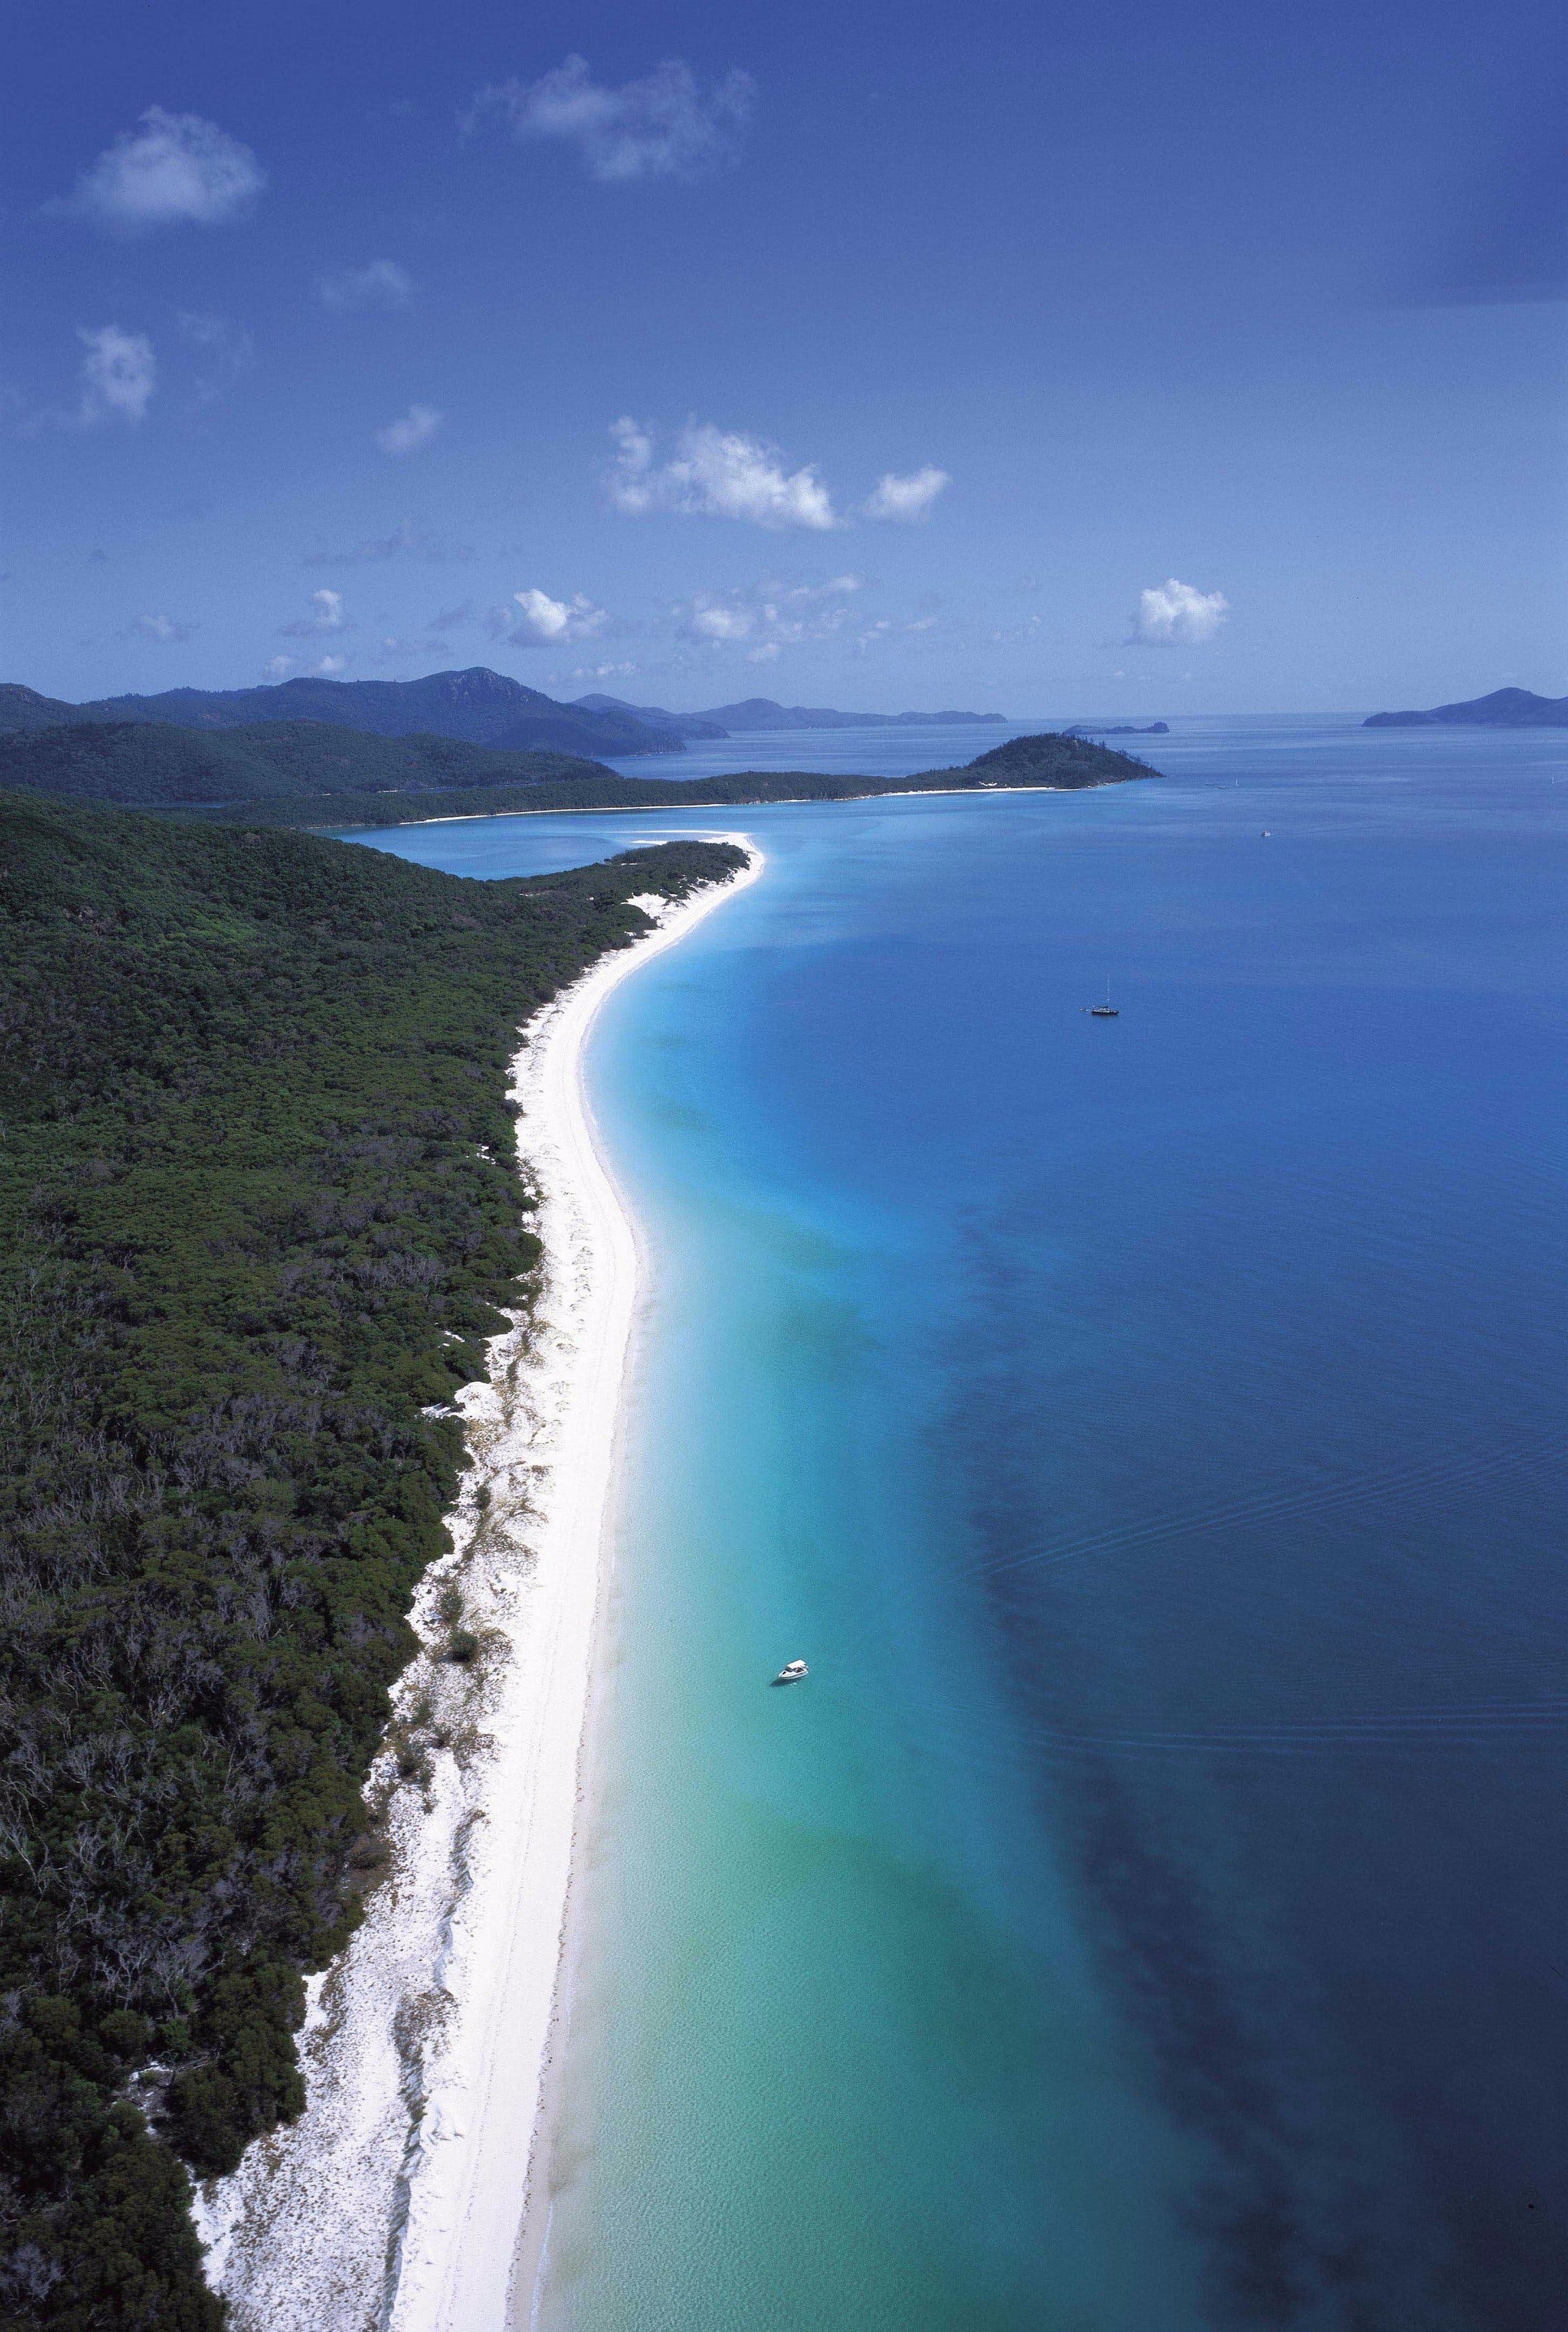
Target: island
[
  {"x": 1120, "y": 729},
  {"x": 1504, "y": 708},
  {"x": 758, "y": 714},
  {"x": 477, "y": 706}
]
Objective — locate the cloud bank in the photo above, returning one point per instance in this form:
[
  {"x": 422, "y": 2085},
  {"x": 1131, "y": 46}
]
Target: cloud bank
[
  {"x": 715, "y": 473},
  {"x": 1174, "y": 612},
  {"x": 175, "y": 170},
  {"x": 413, "y": 430},
  {"x": 660, "y": 127},
  {"x": 906, "y": 499}
]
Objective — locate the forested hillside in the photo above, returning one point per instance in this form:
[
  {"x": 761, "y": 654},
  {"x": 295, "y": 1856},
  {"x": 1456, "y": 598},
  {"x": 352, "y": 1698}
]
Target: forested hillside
[
  {"x": 258, "y": 1211},
  {"x": 309, "y": 773},
  {"x": 150, "y": 765}
]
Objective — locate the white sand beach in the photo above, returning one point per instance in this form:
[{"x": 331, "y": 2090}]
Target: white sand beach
[{"x": 395, "y": 2204}]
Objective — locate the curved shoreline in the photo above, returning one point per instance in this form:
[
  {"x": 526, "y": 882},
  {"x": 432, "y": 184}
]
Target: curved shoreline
[{"x": 397, "y": 2200}]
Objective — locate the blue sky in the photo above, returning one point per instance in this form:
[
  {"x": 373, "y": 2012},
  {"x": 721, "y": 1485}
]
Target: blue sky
[{"x": 1027, "y": 358}]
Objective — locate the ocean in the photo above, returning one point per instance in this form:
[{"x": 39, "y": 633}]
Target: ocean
[{"x": 1152, "y": 1916}]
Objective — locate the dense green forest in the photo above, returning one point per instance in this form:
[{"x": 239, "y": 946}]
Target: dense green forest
[
  {"x": 149, "y": 765},
  {"x": 306, "y": 773},
  {"x": 1048, "y": 759},
  {"x": 258, "y": 1213}
]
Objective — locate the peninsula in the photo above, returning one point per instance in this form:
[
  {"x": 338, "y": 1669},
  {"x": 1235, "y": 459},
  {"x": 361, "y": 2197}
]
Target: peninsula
[
  {"x": 260, "y": 1216},
  {"x": 315, "y": 774}
]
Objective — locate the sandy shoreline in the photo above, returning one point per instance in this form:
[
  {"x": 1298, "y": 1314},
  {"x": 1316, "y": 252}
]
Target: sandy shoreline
[
  {"x": 662, "y": 809},
  {"x": 395, "y": 2203}
]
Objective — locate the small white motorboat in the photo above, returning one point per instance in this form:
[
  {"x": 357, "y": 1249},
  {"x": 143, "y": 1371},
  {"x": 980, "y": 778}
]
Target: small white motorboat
[{"x": 792, "y": 1672}]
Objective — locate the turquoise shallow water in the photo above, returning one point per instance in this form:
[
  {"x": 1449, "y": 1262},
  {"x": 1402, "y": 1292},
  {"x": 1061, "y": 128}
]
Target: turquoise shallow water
[{"x": 1153, "y": 1913}]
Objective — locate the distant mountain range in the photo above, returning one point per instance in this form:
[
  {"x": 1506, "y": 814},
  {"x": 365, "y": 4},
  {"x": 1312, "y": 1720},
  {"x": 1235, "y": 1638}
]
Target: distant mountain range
[
  {"x": 756, "y": 714},
  {"x": 478, "y": 706},
  {"x": 1506, "y": 708}
]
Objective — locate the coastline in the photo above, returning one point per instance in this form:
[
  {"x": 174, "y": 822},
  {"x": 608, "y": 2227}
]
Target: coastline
[
  {"x": 396, "y": 2200},
  {"x": 785, "y": 802}
]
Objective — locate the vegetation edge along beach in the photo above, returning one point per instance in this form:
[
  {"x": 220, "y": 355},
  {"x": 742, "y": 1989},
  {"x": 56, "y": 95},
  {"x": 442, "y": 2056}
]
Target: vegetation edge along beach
[
  {"x": 318, "y": 775},
  {"x": 260, "y": 1215}
]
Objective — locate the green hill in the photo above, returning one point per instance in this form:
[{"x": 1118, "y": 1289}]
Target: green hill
[
  {"x": 147, "y": 764},
  {"x": 258, "y": 1211}
]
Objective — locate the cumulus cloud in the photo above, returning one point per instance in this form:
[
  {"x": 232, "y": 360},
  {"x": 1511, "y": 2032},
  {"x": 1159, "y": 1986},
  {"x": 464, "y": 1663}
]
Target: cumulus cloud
[
  {"x": 905, "y": 499},
  {"x": 662, "y": 127},
  {"x": 326, "y": 667},
  {"x": 1173, "y": 612},
  {"x": 715, "y": 473},
  {"x": 543, "y": 622},
  {"x": 382, "y": 283},
  {"x": 413, "y": 430},
  {"x": 119, "y": 375},
  {"x": 162, "y": 628},
  {"x": 175, "y": 170},
  {"x": 326, "y": 615},
  {"x": 768, "y": 617}
]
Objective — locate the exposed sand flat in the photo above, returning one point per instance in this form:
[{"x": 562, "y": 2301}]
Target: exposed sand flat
[{"x": 395, "y": 2201}]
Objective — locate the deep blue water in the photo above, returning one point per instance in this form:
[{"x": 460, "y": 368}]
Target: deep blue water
[{"x": 1154, "y": 1913}]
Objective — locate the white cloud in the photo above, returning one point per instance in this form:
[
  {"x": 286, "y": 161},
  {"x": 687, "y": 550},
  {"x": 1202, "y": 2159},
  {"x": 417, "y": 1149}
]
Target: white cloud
[
  {"x": 326, "y": 667},
  {"x": 226, "y": 349},
  {"x": 1174, "y": 611},
  {"x": 660, "y": 127},
  {"x": 415, "y": 429},
  {"x": 715, "y": 473},
  {"x": 175, "y": 170},
  {"x": 548, "y": 623},
  {"x": 768, "y": 617},
  {"x": 118, "y": 373},
  {"x": 382, "y": 283},
  {"x": 905, "y": 499},
  {"x": 327, "y": 615},
  {"x": 162, "y": 628}
]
